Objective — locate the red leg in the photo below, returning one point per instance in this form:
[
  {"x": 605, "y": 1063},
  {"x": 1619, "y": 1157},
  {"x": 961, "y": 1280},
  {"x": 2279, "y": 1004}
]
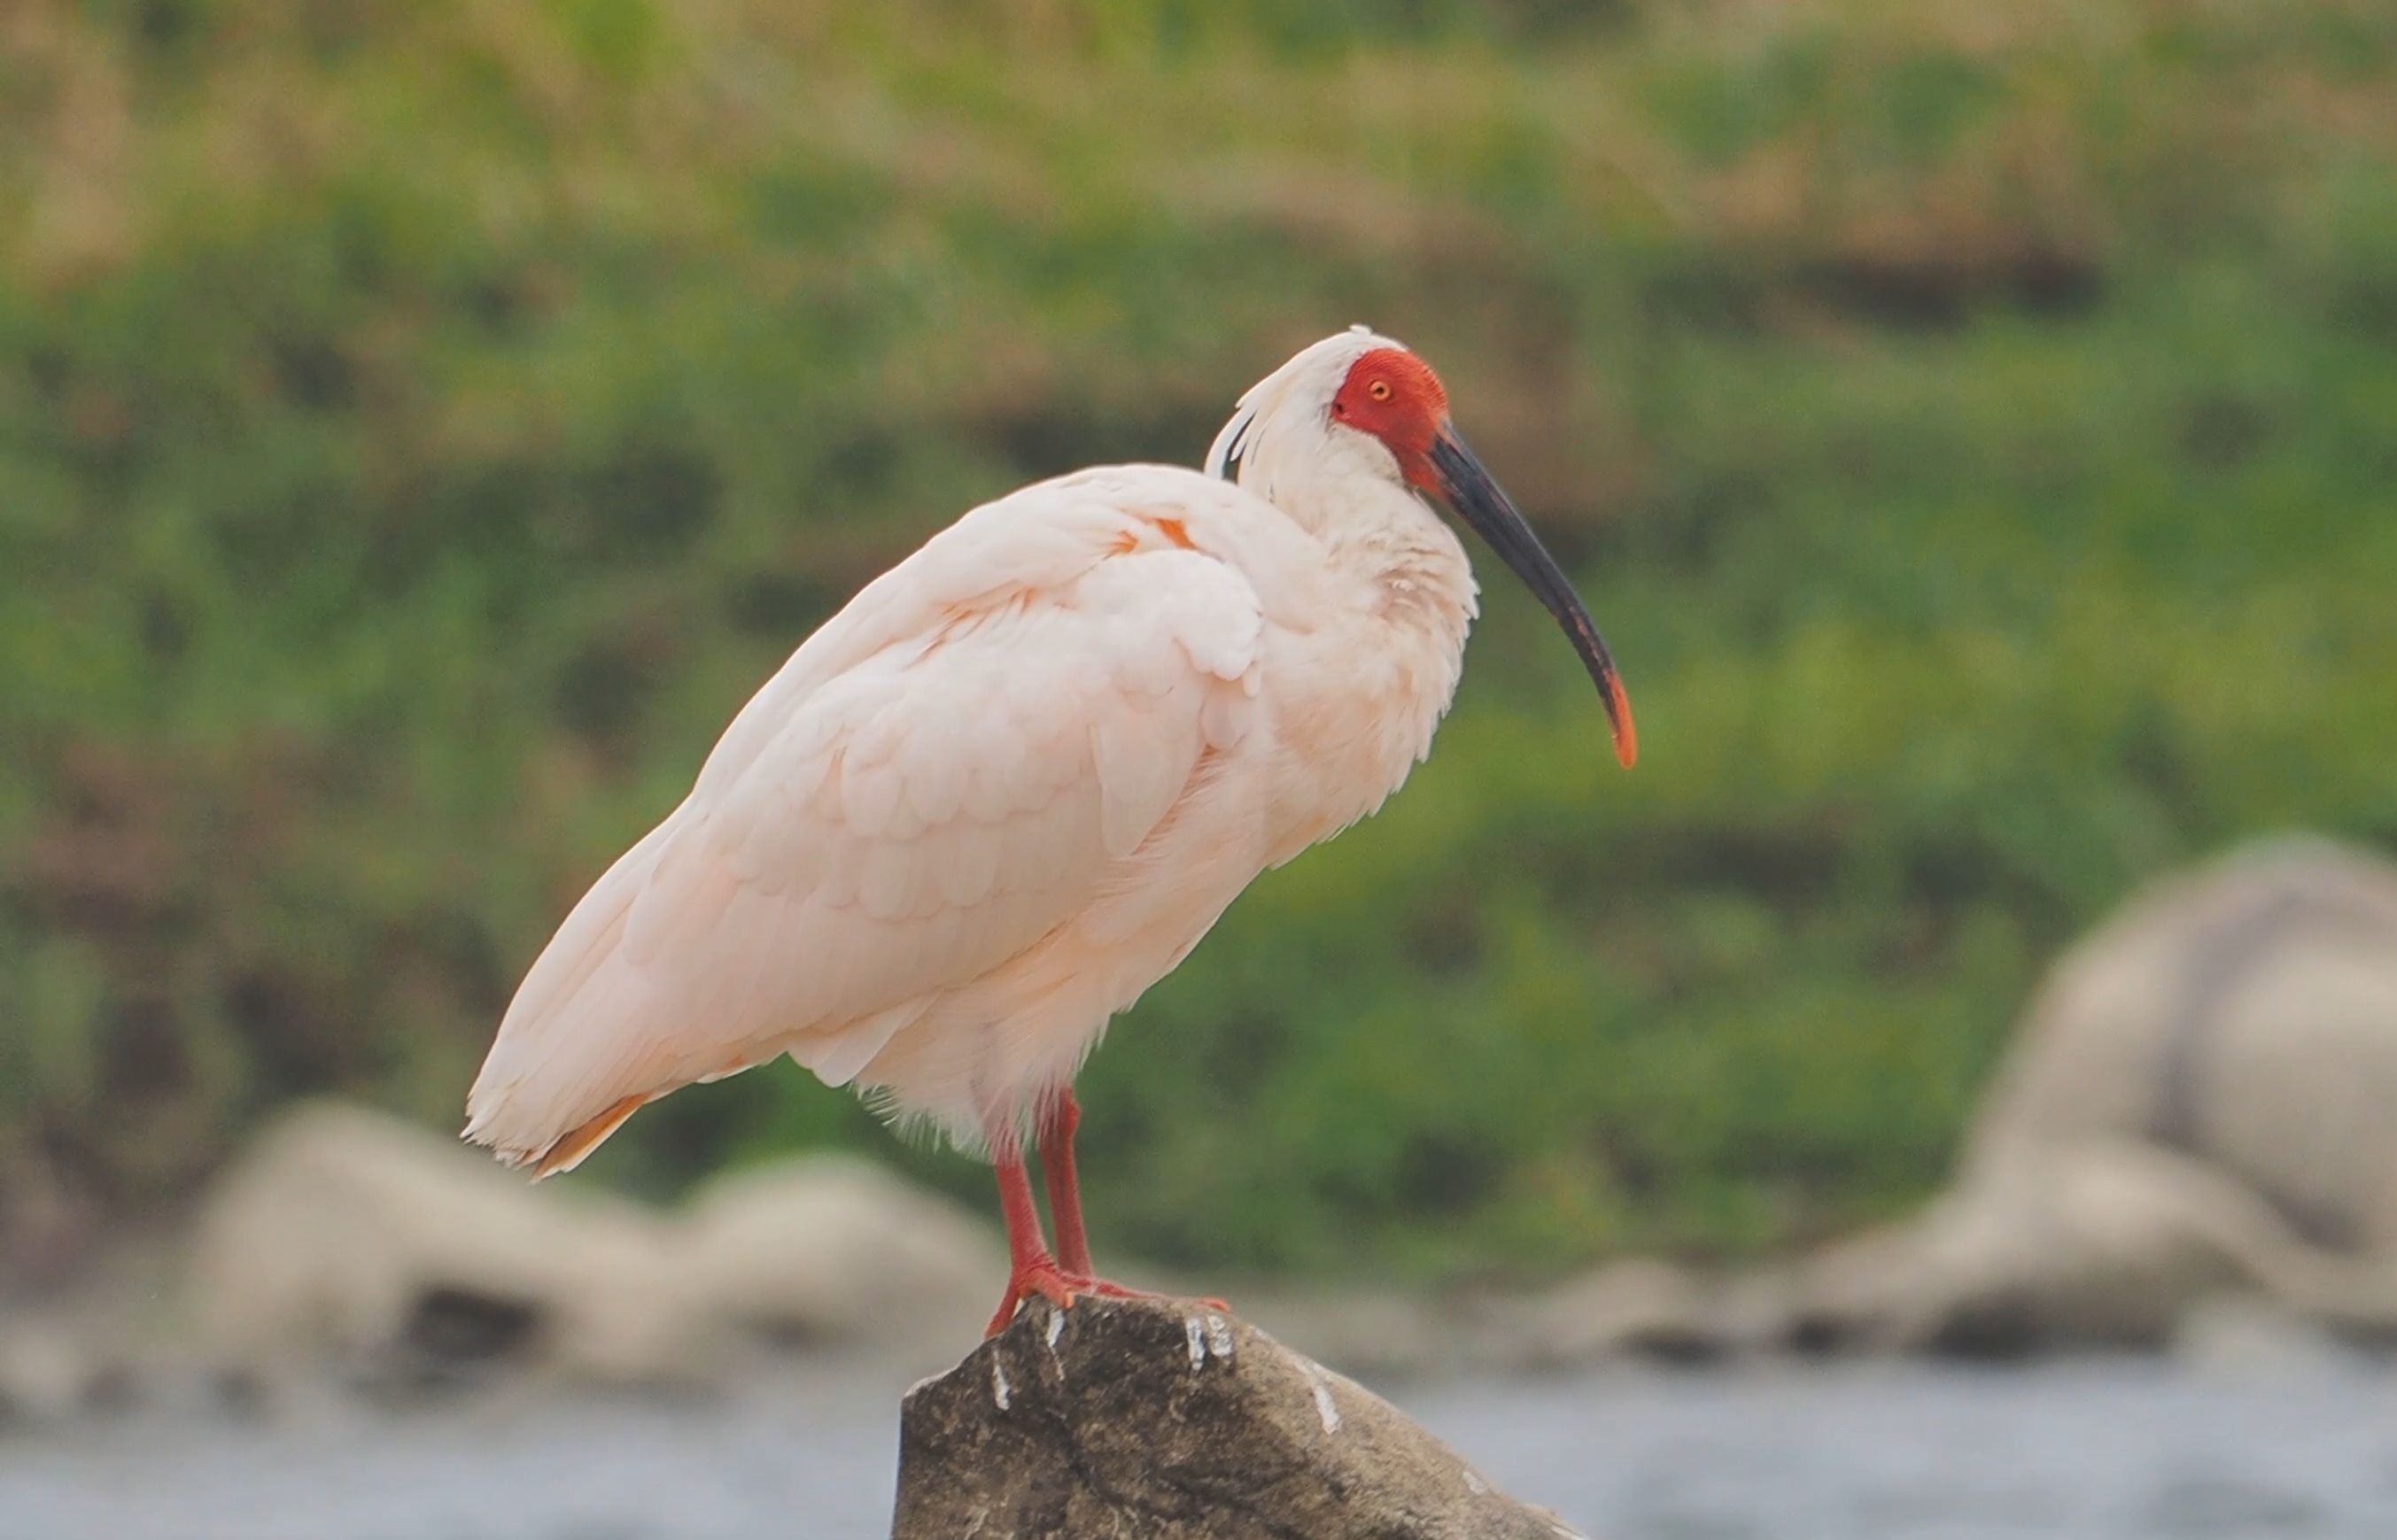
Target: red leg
[
  {"x": 1031, "y": 1270},
  {"x": 1065, "y": 1206},
  {"x": 1064, "y": 1185}
]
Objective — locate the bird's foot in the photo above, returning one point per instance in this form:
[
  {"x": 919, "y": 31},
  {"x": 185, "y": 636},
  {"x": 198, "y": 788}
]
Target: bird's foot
[
  {"x": 1039, "y": 1276},
  {"x": 1100, "y": 1288},
  {"x": 1060, "y": 1288}
]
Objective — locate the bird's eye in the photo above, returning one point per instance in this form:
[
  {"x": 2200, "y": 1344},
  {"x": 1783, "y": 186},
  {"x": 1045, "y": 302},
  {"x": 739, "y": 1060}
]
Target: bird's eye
[{"x": 1379, "y": 390}]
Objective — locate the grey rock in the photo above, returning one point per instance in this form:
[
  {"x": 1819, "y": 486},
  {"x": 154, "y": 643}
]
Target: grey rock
[
  {"x": 1382, "y": 1334},
  {"x": 2243, "y": 1015},
  {"x": 832, "y": 1248},
  {"x": 1167, "y": 1421},
  {"x": 2195, "y": 1110},
  {"x": 2253, "y": 1340},
  {"x": 1637, "y": 1308},
  {"x": 46, "y": 1375},
  {"x": 347, "y": 1239}
]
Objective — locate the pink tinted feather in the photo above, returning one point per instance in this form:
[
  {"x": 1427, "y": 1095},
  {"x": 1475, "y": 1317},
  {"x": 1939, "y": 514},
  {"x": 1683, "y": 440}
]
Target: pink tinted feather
[{"x": 948, "y": 771}]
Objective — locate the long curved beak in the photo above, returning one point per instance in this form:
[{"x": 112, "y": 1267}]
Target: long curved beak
[{"x": 1479, "y": 503}]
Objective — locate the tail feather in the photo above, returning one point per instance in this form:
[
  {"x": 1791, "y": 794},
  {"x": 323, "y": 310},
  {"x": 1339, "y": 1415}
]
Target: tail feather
[
  {"x": 554, "y": 1057},
  {"x": 572, "y": 1148}
]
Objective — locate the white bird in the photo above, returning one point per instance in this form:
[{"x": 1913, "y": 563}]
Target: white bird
[{"x": 1013, "y": 784}]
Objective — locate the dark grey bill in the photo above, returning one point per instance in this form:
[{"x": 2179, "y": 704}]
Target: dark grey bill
[{"x": 1479, "y": 501}]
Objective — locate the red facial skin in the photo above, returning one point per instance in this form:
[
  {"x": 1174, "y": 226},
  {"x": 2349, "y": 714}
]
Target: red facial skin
[{"x": 1394, "y": 396}]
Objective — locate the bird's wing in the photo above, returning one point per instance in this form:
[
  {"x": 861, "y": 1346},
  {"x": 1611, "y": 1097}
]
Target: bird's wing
[{"x": 948, "y": 769}]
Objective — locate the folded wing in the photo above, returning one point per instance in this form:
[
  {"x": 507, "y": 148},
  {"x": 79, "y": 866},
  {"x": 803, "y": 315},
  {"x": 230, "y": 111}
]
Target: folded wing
[{"x": 950, "y": 769}]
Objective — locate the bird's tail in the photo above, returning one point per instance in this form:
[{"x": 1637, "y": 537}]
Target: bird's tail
[{"x": 577, "y": 1143}]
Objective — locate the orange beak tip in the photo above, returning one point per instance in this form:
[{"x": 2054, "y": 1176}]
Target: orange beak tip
[{"x": 1627, "y": 734}]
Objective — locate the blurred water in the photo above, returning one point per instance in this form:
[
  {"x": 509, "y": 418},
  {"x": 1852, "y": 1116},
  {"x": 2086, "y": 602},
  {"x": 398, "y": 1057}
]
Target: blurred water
[{"x": 2088, "y": 1450}]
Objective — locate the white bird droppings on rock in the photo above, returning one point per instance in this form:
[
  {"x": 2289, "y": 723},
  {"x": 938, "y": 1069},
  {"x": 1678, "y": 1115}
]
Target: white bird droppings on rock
[
  {"x": 1056, "y": 1329},
  {"x": 1327, "y": 1410},
  {"x": 1140, "y": 1433},
  {"x": 1001, "y": 1393},
  {"x": 1219, "y": 1335}
]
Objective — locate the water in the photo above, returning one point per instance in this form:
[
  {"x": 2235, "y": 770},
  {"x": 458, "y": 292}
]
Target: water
[{"x": 2089, "y": 1451}]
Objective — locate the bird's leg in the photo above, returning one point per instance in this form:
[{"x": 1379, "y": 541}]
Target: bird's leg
[
  {"x": 1031, "y": 1269},
  {"x": 1065, "y": 1186}
]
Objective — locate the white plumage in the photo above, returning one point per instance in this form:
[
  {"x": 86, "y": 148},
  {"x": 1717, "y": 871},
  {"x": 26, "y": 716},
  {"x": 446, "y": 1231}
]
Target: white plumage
[{"x": 1011, "y": 784}]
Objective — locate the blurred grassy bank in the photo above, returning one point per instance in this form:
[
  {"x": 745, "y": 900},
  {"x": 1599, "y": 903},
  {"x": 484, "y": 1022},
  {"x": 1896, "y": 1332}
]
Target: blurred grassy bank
[{"x": 421, "y": 426}]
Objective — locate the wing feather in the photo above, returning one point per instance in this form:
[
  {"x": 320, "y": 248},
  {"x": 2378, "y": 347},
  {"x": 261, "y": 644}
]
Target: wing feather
[{"x": 954, "y": 766}]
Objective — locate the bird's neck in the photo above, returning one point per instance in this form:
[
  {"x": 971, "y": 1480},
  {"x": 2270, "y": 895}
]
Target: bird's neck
[
  {"x": 1342, "y": 486},
  {"x": 1407, "y": 568},
  {"x": 1373, "y": 679}
]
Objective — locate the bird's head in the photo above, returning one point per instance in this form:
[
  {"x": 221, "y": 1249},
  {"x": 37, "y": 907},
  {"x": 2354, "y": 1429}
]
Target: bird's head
[
  {"x": 1394, "y": 399},
  {"x": 1361, "y": 404}
]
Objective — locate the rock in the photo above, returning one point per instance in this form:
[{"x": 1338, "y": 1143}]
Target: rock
[
  {"x": 41, "y": 1376},
  {"x": 2247, "y": 1339},
  {"x": 2107, "y": 1247},
  {"x": 349, "y": 1236},
  {"x": 834, "y": 1248},
  {"x": 1164, "y": 1420},
  {"x": 1639, "y": 1309},
  {"x": 1380, "y": 1333},
  {"x": 48, "y": 1375},
  {"x": 2245, "y": 1016},
  {"x": 1758, "y": 1309},
  {"x": 2196, "y": 1109}
]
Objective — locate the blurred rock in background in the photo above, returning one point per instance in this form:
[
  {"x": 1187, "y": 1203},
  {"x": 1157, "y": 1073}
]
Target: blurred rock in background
[
  {"x": 835, "y": 1250},
  {"x": 346, "y": 1239},
  {"x": 2199, "y": 1104},
  {"x": 2191, "y": 1136}
]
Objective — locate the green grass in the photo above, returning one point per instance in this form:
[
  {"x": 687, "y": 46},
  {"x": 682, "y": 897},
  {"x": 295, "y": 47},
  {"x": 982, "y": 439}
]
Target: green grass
[{"x": 421, "y": 426}]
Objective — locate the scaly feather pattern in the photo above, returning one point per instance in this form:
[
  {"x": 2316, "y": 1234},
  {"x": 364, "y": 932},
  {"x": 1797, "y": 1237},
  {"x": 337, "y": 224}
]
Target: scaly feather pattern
[
  {"x": 972, "y": 754},
  {"x": 1008, "y": 788}
]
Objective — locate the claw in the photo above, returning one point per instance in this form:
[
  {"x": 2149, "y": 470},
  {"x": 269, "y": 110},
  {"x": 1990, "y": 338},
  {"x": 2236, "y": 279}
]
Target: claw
[
  {"x": 1040, "y": 1276},
  {"x": 1060, "y": 1288}
]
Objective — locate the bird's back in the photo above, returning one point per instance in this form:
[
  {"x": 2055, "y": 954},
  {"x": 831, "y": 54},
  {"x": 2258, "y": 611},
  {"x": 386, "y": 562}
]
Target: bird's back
[{"x": 977, "y": 761}]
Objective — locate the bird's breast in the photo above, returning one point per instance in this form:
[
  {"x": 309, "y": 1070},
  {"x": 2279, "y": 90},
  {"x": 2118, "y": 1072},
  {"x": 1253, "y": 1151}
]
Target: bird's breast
[{"x": 1356, "y": 703}]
